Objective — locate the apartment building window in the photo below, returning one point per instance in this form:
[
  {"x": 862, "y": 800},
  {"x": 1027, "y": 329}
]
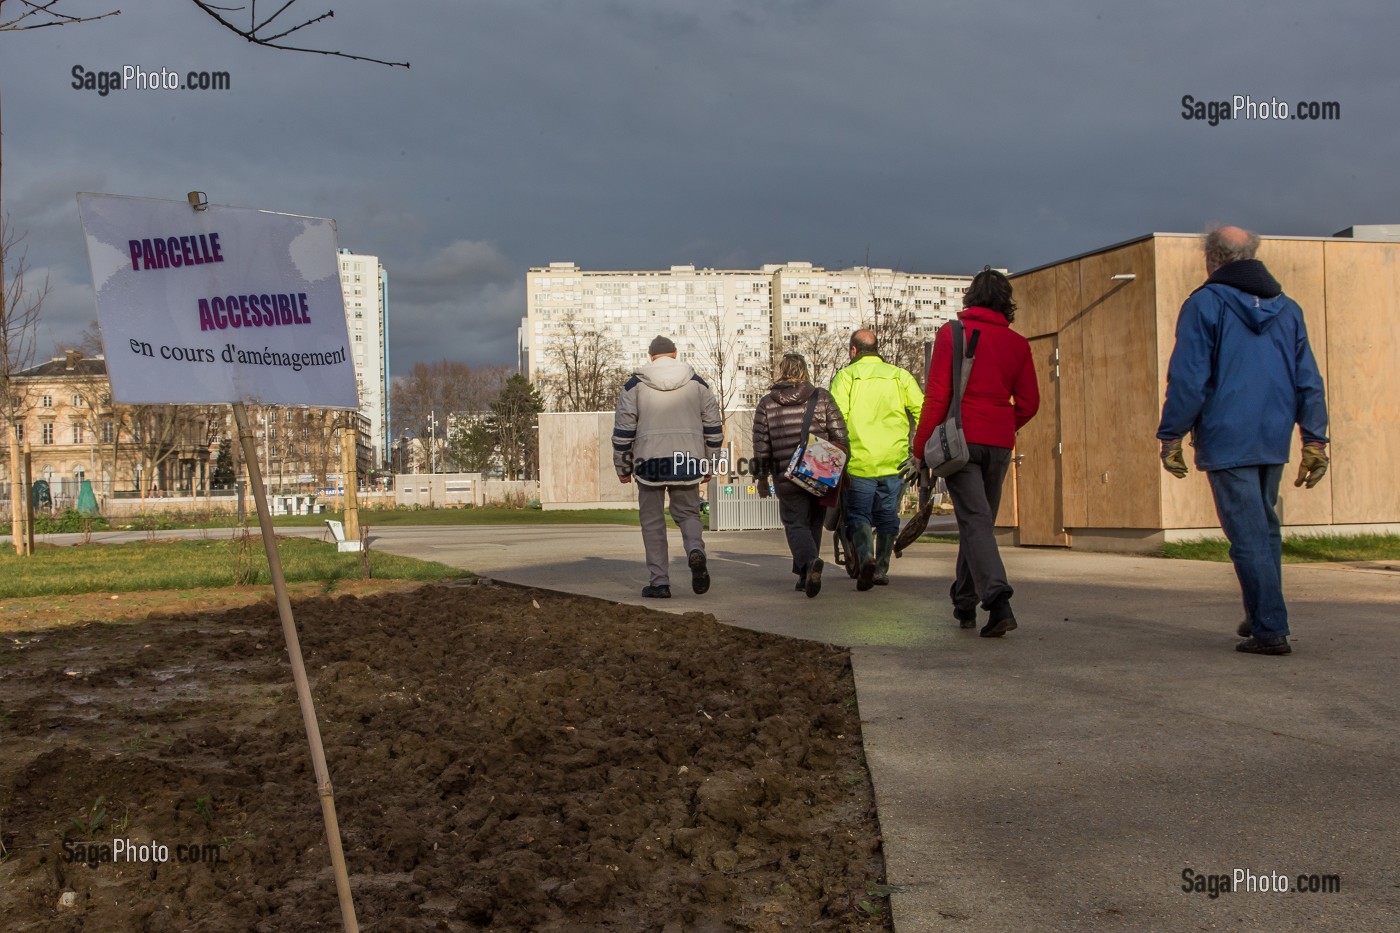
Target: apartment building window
[
  {"x": 106, "y": 398},
  {"x": 47, "y": 435},
  {"x": 77, "y": 401},
  {"x": 19, "y": 432},
  {"x": 108, "y": 432},
  {"x": 77, "y": 433},
  {"x": 47, "y": 401}
]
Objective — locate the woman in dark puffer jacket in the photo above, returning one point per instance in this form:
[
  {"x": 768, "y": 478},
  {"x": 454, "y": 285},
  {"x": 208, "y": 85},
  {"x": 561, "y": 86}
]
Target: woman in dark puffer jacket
[{"x": 777, "y": 433}]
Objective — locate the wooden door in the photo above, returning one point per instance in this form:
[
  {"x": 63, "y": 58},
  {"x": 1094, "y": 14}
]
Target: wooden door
[{"x": 1037, "y": 472}]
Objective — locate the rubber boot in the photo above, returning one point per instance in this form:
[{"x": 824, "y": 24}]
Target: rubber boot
[
  {"x": 884, "y": 544},
  {"x": 863, "y": 542}
]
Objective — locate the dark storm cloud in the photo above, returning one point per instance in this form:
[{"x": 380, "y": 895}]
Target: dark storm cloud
[{"x": 640, "y": 133}]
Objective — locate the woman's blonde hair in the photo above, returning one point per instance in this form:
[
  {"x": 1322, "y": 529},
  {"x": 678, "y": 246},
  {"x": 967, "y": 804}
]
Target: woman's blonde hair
[{"x": 793, "y": 368}]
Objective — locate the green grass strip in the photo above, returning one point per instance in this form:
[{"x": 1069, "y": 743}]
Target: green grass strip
[
  {"x": 177, "y": 565},
  {"x": 484, "y": 516},
  {"x": 1298, "y": 550}
]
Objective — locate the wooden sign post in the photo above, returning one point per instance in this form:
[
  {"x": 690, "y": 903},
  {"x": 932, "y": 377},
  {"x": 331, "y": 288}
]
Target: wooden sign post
[
  {"x": 219, "y": 305},
  {"x": 303, "y": 686}
]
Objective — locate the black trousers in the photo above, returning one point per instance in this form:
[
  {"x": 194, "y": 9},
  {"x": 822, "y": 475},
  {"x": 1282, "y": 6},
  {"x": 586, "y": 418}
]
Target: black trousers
[
  {"x": 802, "y": 514},
  {"x": 976, "y": 494}
]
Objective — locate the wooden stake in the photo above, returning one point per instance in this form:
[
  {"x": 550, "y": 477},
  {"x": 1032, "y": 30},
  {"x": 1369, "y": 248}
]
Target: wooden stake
[
  {"x": 289, "y": 632},
  {"x": 17, "y": 535},
  {"x": 349, "y": 442},
  {"x": 29, "y": 497}
]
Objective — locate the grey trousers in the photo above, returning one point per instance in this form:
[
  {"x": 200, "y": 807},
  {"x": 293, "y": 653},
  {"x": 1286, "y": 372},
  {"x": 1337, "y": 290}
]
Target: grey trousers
[
  {"x": 976, "y": 494},
  {"x": 685, "y": 509}
]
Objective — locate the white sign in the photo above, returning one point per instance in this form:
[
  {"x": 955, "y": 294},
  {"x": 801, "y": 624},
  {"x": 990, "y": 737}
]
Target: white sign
[{"x": 217, "y": 305}]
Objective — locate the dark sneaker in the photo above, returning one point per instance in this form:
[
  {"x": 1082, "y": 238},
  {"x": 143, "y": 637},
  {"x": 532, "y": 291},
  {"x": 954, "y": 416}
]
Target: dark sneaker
[
  {"x": 1245, "y": 629},
  {"x": 814, "y": 578},
  {"x": 656, "y": 592},
  {"x": 1276, "y": 645},
  {"x": 699, "y": 574},
  {"x": 967, "y": 618}
]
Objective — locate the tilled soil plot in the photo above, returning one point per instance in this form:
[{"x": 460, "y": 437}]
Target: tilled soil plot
[{"x": 503, "y": 759}]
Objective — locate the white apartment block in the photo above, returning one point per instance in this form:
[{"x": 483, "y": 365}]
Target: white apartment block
[
  {"x": 744, "y": 316},
  {"x": 366, "y": 289}
]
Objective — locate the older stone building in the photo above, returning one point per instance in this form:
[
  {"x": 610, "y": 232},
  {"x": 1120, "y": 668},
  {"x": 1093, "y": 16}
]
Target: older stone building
[{"x": 64, "y": 413}]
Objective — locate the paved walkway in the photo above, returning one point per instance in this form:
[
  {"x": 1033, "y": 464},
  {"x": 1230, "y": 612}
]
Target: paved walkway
[{"x": 1066, "y": 776}]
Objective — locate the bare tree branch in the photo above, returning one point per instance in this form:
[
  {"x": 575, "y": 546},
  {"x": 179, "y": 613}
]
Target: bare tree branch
[
  {"x": 45, "y": 9},
  {"x": 253, "y": 32}
]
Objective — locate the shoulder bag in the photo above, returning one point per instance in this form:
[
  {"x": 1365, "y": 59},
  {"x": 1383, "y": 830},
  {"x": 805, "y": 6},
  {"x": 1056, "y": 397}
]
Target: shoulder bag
[
  {"x": 817, "y": 463},
  {"x": 946, "y": 451}
]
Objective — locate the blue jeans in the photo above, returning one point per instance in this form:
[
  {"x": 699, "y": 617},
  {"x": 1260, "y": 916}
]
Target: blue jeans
[
  {"x": 1245, "y": 500},
  {"x": 874, "y": 500}
]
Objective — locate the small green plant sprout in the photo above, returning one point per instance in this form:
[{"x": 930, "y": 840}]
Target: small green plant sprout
[
  {"x": 204, "y": 808},
  {"x": 87, "y": 823},
  {"x": 874, "y": 900}
]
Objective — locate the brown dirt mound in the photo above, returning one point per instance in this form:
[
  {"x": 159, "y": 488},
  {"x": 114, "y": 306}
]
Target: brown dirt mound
[{"x": 503, "y": 759}]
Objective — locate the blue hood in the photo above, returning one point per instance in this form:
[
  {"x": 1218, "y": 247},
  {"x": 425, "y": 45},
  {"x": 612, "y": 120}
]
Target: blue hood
[{"x": 1257, "y": 313}]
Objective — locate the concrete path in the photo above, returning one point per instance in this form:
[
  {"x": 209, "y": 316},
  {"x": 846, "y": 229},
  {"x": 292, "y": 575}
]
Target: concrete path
[{"x": 1068, "y": 776}]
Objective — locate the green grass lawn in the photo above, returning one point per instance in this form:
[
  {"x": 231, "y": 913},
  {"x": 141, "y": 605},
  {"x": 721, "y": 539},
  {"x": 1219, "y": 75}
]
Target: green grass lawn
[
  {"x": 175, "y": 565},
  {"x": 71, "y": 523},
  {"x": 486, "y": 516},
  {"x": 1298, "y": 550}
]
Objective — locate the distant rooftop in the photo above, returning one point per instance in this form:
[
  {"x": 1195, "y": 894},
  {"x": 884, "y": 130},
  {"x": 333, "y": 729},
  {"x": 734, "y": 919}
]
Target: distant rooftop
[
  {"x": 1371, "y": 232},
  {"x": 73, "y": 363}
]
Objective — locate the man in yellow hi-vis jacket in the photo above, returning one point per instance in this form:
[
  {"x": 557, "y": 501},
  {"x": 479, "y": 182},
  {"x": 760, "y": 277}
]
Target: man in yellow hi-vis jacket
[{"x": 880, "y": 402}]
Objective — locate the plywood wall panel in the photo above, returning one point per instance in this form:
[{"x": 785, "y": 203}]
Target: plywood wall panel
[
  {"x": 1186, "y": 503},
  {"x": 1074, "y": 393},
  {"x": 1363, "y": 352},
  {"x": 1300, "y": 267},
  {"x": 1120, "y": 379},
  {"x": 1037, "y": 303}
]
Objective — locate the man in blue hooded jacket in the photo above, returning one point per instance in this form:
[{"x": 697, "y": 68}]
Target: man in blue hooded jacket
[{"x": 1241, "y": 375}]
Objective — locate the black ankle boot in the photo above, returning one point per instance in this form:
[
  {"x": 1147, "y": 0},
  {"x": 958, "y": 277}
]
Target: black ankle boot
[{"x": 1002, "y": 620}]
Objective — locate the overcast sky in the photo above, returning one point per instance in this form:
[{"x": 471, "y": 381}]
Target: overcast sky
[{"x": 924, "y": 136}]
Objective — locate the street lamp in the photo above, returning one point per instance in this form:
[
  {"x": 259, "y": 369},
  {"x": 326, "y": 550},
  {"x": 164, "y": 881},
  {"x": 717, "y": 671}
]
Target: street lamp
[{"x": 432, "y": 439}]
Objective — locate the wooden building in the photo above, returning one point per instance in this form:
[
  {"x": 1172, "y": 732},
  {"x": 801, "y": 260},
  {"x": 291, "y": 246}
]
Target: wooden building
[{"x": 1102, "y": 327}]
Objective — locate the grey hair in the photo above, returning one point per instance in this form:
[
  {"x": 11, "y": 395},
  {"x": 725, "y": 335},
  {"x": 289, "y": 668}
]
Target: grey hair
[{"x": 1221, "y": 251}]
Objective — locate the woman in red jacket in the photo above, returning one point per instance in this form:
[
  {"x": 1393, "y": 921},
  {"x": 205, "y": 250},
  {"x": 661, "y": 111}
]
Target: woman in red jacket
[{"x": 1001, "y": 396}]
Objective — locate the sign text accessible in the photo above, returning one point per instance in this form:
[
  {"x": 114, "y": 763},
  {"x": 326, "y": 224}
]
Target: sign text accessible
[{"x": 217, "y": 305}]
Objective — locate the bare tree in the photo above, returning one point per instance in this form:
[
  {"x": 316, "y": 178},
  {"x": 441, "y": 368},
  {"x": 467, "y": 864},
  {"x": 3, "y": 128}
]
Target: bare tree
[
  {"x": 583, "y": 369},
  {"x": 162, "y": 437},
  {"x": 19, "y": 323},
  {"x": 431, "y": 393},
  {"x": 263, "y": 32},
  {"x": 894, "y": 322},
  {"x": 823, "y": 347},
  {"x": 37, "y": 14},
  {"x": 308, "y": 441},
  {"x": 717, "y": 359}
]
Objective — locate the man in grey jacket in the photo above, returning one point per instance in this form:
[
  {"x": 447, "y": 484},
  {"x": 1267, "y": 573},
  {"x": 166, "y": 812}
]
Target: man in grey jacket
[{"x": 666, "y": 428}]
